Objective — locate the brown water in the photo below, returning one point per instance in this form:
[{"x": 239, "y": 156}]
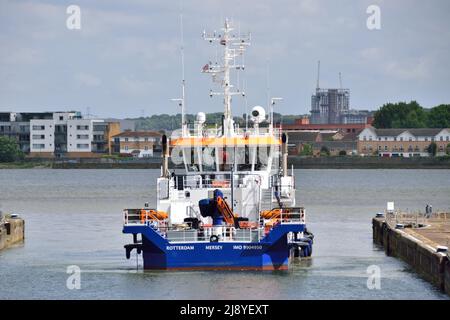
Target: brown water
[{"x": 74, "y": 217}]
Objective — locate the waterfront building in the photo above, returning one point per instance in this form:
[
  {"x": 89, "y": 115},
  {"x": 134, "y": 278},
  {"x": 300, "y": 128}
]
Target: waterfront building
[
  {"x": 58, "y": 134},
  {"x": 335, "y": 141},
  {"x": 140, "y": 144},
  {"x": 300, "y": 125},
  {"x": 402, "y": 142}
]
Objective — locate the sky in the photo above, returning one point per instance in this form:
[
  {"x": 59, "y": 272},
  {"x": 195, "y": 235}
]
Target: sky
[{"x": 125, "y": 59}]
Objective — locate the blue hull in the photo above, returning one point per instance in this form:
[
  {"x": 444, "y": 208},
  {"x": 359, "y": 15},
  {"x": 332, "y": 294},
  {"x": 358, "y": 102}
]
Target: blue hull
[{"x": 273, "y": 252}]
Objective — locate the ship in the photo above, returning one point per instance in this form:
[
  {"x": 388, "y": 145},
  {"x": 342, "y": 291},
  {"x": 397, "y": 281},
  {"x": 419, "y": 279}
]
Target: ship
[{"x": 228, "y": 200}]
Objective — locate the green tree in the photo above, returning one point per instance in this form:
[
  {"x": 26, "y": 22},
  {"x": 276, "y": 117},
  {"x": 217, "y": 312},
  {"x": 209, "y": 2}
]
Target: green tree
[
  {"x": 439, "y": 117},
  {"x": 432, "y": 149},
  {"x": 447, "y": 149},
  {"x": 342, "y": 153},
  {"x": 400, "y": 115},
  {"x": 9, "y": 150},
  {"x": 324, "y": 151},
  {"x": 307, "y": 150}
]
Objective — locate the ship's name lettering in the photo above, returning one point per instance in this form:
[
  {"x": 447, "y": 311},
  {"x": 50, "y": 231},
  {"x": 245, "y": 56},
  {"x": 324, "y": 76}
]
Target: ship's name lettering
[
  {"x": 213, "y": 247},
  {"x": 179, "y": 247}
]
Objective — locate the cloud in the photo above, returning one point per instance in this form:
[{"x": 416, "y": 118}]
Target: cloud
[
  {"x": 88, "y": 80},
  {"x": 371, "y": 54},
  {"x": 134, "y": 87},
  {"x": 309, "y": 7},
  {"x": 411, "y": 69}
]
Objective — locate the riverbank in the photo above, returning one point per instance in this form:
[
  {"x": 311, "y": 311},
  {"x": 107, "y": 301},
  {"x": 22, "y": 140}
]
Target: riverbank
[
  {"x": 296, "y": 161},
  {"x": 422, "y": 248},
  {"x": 12, "y": 231}
]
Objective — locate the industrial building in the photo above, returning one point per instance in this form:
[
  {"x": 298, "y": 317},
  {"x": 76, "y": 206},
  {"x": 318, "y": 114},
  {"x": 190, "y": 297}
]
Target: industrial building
[{"x": 332, "y": 106}]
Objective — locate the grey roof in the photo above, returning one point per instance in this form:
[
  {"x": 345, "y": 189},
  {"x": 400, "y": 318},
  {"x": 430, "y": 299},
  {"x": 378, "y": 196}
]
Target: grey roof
[
  {"x": 327, "y": 136},
  {"x": 427, "y": 132},
  {"x": 343, "y": 145},
  {"x": 301, "y": 136}
]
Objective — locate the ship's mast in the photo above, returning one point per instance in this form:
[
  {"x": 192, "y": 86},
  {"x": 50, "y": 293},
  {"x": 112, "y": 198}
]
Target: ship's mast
[{"x": 234, "y": 46}]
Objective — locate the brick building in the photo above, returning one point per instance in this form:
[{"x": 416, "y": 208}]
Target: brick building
[
  {"x": 140, "y": 144},
  {"x": 402, "y": 142}
]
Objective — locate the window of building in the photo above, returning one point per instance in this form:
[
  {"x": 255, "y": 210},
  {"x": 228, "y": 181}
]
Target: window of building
[
  {"x": 146, "y": 147},
  {"x": 379, "y": 138},
  {"x": 38, "y": 146},
  {"x": 126, "y": 139},
  {"x": 410, "y": 139},
  {"x": 364, "y": 138},
  {"x": 426, "y": 139},
  {"x": 36, "y": 127},
  {"x": 83, "y": 127},
  {"x": 126, "y": 148},
  {"x": 82, "y": 136},
  {"x": 385, "y": 138},
  {"x": 395, "y": 138},
  {"x": 385, "y": 148},
  {"x": 146, "y": 139},
  {"x": 38, "y": 136},
  {"x": 379, "y": 148},
  {"x": 82, "y": 146},
  {"x": 447, "y": 138},
  {"x": 61, "y": 118},
  {"x": 441, "y": 138}
]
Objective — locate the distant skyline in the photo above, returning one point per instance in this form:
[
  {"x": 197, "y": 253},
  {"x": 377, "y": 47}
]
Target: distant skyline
[{"x": 125, "y": 60}]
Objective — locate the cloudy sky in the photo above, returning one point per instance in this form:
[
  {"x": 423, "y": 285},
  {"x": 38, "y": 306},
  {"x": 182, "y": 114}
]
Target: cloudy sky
[{"x": 125, "y": 59}]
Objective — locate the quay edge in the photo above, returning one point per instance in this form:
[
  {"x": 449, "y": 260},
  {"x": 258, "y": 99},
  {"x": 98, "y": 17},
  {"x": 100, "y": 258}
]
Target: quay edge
[
  {"x": 433, "y": 266},
  {"x": 12, "y": 231}
]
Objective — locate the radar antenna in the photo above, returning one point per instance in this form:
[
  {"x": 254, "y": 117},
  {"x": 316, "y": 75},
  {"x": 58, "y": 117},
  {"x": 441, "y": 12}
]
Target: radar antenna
[{"x": 234, "y": 47}]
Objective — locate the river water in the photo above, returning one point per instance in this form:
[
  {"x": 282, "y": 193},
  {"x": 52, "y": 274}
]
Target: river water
[{"x": 74, "y": 217}]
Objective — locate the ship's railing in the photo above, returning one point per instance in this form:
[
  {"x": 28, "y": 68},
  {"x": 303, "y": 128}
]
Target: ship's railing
[
  {"x": 294, "y": 215},
  {"x": 131, "y": 216},
  {"x": 213, "y": 180},
  {"x": 212, "y": 234},
  {"x": 134, "y": 216},
  {"x": 184, "y": 233}
]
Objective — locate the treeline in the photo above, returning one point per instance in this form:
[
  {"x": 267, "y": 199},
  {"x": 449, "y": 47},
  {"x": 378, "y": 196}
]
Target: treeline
[
  {"x": 172, "y": 122},
  {"x": 412, "y": 115}
]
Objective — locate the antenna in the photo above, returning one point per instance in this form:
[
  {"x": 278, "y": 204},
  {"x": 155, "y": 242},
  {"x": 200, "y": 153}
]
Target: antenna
[
  {"x": 234, "y": 46},
  {"x": 272, "y": 103},
  {"x": 318, "y": 74},
  {"x": 340, "y": 80},
  {"x": 183, "y": 80},
  {"x": 182, "y": 101},
  {"x": 268, "y": 83}
]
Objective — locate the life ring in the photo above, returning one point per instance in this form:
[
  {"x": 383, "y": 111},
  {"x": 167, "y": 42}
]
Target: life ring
[{"x": 214, "y": 238}]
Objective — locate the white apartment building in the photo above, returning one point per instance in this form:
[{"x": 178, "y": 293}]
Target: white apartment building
[
  {"x": 79, "y": 135},
  {"x": 67, "y": 134},
  {"x": 42, "y": 136}
]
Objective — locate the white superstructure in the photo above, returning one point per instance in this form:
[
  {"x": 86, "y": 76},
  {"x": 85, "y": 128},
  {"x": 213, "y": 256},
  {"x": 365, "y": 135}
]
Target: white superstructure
[{"x": 247, "y": 164}]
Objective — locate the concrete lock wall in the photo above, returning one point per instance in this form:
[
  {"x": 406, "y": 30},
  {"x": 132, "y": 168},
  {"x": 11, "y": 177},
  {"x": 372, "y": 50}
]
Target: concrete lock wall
[
  {"x": 431, "y": 265},
  {"x": 11, "y": 231}
]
